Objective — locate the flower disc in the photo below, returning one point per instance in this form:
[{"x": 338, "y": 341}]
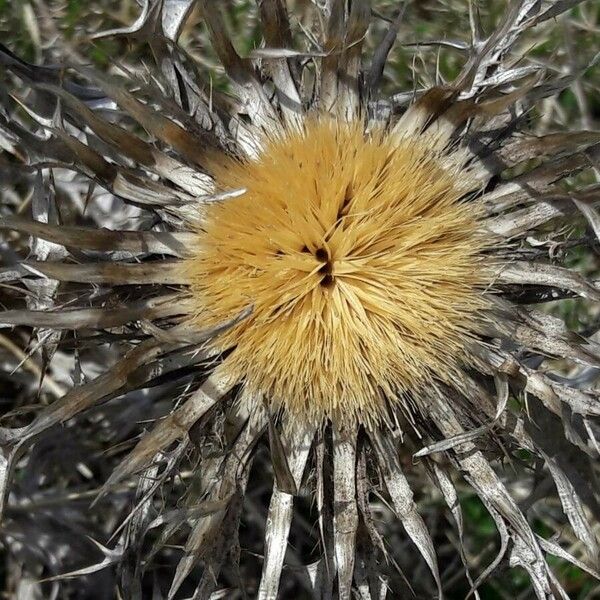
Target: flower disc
[{"x": 360, "y": 255}]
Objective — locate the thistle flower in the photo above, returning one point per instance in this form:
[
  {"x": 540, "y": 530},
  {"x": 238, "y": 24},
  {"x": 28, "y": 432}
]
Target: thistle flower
[{"x": 349, "y": 279}]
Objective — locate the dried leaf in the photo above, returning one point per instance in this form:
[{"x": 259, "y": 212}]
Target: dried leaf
[
  {"x": 184, "y": 142},
  {"x": 381, "y": 52},
  {"x": 403, "y": 502},
  {"x": 171, "y": 428},
  {"x": 236, "y": 464},
  {"x": 164, "y": 272},
  {"x": 345, "y": 510},
  {"x": 283, "y": 475},
  {"x": 97, "y": 318},
  {"x": 103, "y": 240},
  {"x": 528, "y": 273},
  {"x": 277, "y": 35},
  {"x": 240, "y": 71},
  {"x": 279, "y": 517}
]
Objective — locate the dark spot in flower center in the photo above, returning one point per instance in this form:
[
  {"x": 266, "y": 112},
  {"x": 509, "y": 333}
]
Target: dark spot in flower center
[
  {"x": 328, "y": 281},
  {"x": 327, "y": 268},
  {"x": 321, "y": 254}
]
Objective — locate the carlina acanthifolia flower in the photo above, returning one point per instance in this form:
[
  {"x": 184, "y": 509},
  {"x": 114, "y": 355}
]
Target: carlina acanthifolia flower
[{"x": 309, "y": 266}]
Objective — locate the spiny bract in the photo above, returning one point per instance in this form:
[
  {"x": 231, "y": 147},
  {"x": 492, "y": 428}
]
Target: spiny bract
[{"x": 360, "y": 257}]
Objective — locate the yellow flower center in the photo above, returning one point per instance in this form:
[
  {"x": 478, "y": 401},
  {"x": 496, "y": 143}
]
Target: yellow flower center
[{"x": 360, "y": 255}]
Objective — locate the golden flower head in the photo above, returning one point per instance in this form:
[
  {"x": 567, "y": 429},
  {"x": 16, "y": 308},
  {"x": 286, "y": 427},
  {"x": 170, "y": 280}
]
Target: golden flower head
[{"x": 361, "y": 258}]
